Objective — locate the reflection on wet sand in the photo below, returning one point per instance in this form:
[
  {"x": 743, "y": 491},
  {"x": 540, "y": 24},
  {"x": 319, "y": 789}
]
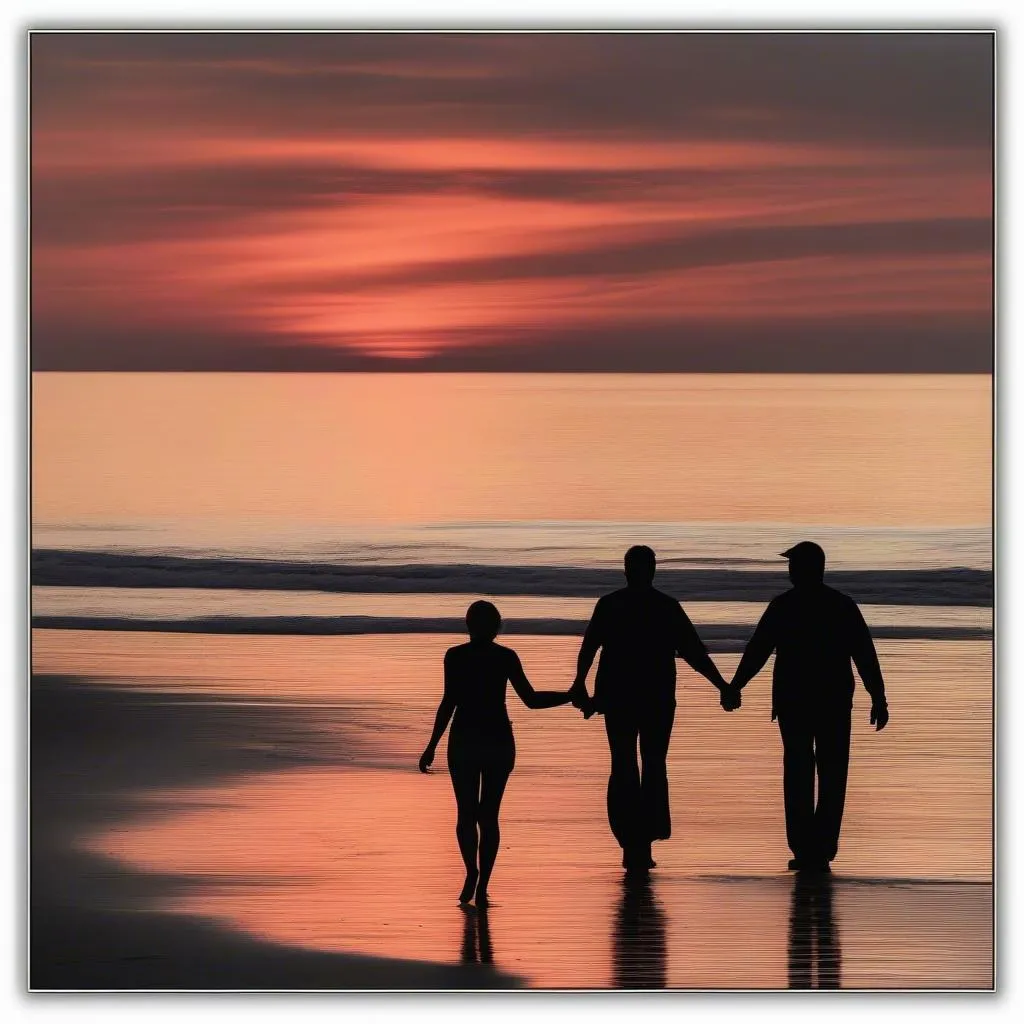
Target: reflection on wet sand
[
  {"x": 101, "y": 755},
  {"x": 815, "y": 953},
  {"x": 183, "y": 784},
  {"x": 476, "y": 937},
  {"x": 639, "y": 951}
]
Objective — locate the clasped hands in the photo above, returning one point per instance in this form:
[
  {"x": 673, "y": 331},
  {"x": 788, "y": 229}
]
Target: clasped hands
[
  {"x": 580, "y": 699},
  {"x": 730, "y": 697}
]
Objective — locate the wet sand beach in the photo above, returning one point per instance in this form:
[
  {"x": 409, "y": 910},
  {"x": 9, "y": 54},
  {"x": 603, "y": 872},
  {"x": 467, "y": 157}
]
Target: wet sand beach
[
  {"x": 213, "y": 812},
  {"x": 97, "y": 753}
]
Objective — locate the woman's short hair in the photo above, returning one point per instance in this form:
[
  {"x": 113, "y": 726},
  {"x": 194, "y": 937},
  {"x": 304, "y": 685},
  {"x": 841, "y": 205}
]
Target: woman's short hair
[{"x": 483, "y": 620}]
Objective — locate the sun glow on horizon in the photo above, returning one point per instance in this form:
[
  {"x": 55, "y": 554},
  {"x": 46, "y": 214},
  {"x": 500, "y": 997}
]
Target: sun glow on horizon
[{"x": 436, "y": 228}]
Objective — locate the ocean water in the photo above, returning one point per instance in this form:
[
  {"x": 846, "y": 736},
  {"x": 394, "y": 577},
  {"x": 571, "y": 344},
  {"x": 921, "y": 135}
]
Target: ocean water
[
  {"x": 381, "y": 506},
  {"x": 888, "y": 471}
]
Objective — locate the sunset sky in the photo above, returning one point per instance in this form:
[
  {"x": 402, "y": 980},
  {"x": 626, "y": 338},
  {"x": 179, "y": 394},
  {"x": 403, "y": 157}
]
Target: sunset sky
[{"x": 512, "y": 202}]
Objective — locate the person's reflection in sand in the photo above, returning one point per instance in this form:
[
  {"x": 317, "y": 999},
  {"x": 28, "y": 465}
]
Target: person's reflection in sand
[
  {"x": 813, "y": 934},
  {"x": 476, "y": 937},
  {"x": 638, "y": 946}
]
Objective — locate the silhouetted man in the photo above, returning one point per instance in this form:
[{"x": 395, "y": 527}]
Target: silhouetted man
[
  {"x": 814, "y": 631},
  {"x": 640, "y": 631}
]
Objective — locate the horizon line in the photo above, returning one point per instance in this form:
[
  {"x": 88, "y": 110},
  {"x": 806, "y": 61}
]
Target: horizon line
[{"x": 438, "y": 370}]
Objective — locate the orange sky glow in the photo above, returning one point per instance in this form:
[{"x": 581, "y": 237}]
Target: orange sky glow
[{"x": 501, "y": 201}]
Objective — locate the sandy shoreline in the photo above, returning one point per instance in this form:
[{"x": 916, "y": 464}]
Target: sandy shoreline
[
  {"x": 93, "y": 750},
  {"x": 241, "y": 813}
]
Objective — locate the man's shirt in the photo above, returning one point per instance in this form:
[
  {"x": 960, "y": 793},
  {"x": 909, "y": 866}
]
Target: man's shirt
[
  {"x": 640, "y": 631},
  {"x": 815, "y": 633}
]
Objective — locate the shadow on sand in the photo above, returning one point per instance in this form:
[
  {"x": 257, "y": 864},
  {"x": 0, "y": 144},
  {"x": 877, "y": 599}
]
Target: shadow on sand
[{"x": 95, "y": 751}]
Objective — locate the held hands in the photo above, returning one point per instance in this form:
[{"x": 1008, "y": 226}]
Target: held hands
[
  {"x": 731, "y": 698},
  {"x": 427, "y": 759},
  {"x": 879, "y": 716},
  {"x": 580, "y": 699}
]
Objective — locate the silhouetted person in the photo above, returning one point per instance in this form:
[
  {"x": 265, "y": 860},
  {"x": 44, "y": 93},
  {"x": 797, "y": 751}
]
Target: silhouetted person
[
  {"x": 813, "y": 934},
  {"x": 814, "y": 632},
  {"x": 639, "y": 631},
  {"x": 481, "y": 747},
  {"x": 638, "y": 948}
]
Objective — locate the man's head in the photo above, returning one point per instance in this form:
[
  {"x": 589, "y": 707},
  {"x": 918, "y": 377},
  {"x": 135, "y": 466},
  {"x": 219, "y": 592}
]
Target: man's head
[
  {"x": 640, "y": 563},
  {"x": 806, "y": 564},
  {"x": 483, "y": 621}
]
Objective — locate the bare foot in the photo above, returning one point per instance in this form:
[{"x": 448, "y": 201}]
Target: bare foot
[
  {"x": 482, "y": 899},
  {"x": 469, "y": 886}
]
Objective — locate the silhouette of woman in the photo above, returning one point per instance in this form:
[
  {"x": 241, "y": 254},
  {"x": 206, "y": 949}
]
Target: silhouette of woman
[{"x": 481, "y": 747}]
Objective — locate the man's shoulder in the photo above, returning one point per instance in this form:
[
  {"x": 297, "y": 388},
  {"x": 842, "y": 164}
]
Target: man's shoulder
[
  {"x": 822, "y": 604},
  {"x": 634, "y": 596},
  {"x": 779, "y": 609},
  {"x": 847, "y": 611},
  {"x": 838, "y": 599},
  {"x": 666, "y": 601},
  {"x": 802, "y": 596}
]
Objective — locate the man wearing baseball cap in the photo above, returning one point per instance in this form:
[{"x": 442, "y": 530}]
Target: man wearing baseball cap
[{"x": 815, "y": 632}]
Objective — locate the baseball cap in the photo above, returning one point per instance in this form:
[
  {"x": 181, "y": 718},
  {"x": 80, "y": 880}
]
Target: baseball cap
[{"x": 805, "y": 551}]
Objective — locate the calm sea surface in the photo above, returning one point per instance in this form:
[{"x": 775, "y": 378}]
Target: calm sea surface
[{"x": 338, "y": 843}]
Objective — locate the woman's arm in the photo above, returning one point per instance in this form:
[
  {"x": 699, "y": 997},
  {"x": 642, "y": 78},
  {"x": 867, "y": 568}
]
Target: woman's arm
[
  {"x": 527, "y": 694},
  {"x": 445, "y": 710}
]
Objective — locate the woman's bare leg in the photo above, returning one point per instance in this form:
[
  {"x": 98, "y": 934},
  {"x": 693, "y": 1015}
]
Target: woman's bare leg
[
  {"x": 466, "y": 783},
  {"x": 491, "y": 792}
]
